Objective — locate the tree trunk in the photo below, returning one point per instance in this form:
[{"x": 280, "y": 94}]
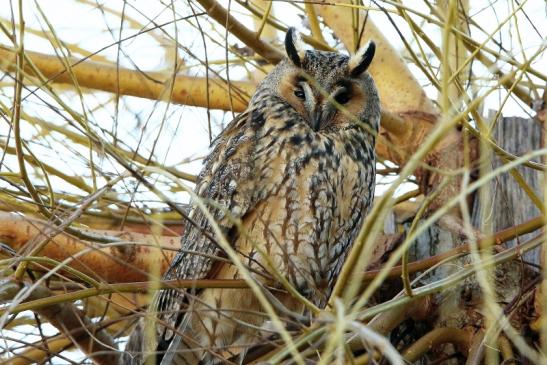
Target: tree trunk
[
  {"x": 510, "y": 204},
  {"x": 462, "y": 306}
]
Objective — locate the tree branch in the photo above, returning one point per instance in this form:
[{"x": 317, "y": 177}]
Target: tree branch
[
  {"x": 70, "y": 321},
  {"x": 128, "y": 261},
  {"x": 221, "y": 15},
  {"x": 187, "y": 90}
]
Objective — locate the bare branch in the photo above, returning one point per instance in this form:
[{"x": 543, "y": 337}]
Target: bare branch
[
  {"x": 70, "y": 321},
  {"x": 130, "y": 260},
  {"x": 152, "y": 85},
  {"x": 218, "y": 13}
]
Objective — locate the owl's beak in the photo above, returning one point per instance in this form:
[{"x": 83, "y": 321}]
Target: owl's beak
[
  {"x": 321, "y": 116},
  {"x": 316, "y": 119}
]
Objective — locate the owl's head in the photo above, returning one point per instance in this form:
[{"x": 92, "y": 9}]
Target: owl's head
[{"x": 328, "y": 89}]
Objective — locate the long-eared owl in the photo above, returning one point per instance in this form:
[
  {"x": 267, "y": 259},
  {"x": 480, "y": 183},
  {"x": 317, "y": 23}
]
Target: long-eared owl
[{"x": 289, "y": 182}]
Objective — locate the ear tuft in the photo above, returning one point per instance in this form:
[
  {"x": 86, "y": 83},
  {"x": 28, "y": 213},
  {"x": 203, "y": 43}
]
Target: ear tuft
[
  {"x": 294, "y": 47},
  {"x": 362, "y": 59}
]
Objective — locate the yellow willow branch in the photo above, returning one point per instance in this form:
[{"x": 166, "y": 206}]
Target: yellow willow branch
[
  {"x": 113, "y": 306},
  {"x": 454, "y": 54},
  {"x": 314, "y": 22},
  {"x": 264, "y": 30},
  {"x": 37, "y": 354},
  {"x": 187, "y": 90},
  {"x": 82, "y": 140},
  {"x": 76, "y": 181},
  {"x": 221, "y": 15},
  {"x": 68, "y": 319},
  {"x": 277, "y": 25},
  {"x": 438, "y": 336},
  {"x": 495, "y": 239},
  {"x": 35, "y": 304},
  {"x": 112, "y": 263},
  {"x": 104, "y": 217}
]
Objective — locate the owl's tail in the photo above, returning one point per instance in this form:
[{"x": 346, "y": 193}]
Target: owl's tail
[
  {"x": 222, "y": 325},
  {"x": 140, "y": 351},
  {"x": 177, "y": 351},
  {"x": 205, "y": 348},
  {"x": 133, "y": 354}
]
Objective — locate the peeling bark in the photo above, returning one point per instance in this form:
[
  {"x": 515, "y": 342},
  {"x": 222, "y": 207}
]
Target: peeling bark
[{"x": 116, "y": 263}]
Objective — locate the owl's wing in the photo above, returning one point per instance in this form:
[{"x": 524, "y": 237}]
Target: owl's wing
[{"x": 227, "y": 185}]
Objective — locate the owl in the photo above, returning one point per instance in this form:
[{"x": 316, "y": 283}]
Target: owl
[{"x": 288, "y": 182}]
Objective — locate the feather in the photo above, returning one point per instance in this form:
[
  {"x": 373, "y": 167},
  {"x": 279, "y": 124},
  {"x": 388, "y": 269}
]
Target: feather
[{"x": 361, "y": 60}]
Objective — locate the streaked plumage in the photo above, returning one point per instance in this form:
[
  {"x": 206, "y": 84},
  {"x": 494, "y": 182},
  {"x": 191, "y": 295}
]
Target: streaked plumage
[{"x": 298, "y": 173}]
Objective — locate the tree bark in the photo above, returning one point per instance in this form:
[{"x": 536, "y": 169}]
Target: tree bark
[
  {"x": 127, "y": 262},
  {"x": 462, "y": 306},
  {"x": 510, "y": 204}
]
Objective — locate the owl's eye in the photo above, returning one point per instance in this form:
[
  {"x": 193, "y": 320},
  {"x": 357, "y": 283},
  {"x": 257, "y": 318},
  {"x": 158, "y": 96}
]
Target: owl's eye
[
  {"x": 342, "y": 98},
  {"x": 299, "y": 93}
]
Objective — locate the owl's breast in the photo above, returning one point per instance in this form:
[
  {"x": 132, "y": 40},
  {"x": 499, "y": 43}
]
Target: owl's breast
[{"x": 318, "y": 194}]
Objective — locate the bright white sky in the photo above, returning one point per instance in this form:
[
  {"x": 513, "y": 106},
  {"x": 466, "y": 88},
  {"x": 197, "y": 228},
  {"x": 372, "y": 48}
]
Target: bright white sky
[{"x": 184, "y": 136}]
